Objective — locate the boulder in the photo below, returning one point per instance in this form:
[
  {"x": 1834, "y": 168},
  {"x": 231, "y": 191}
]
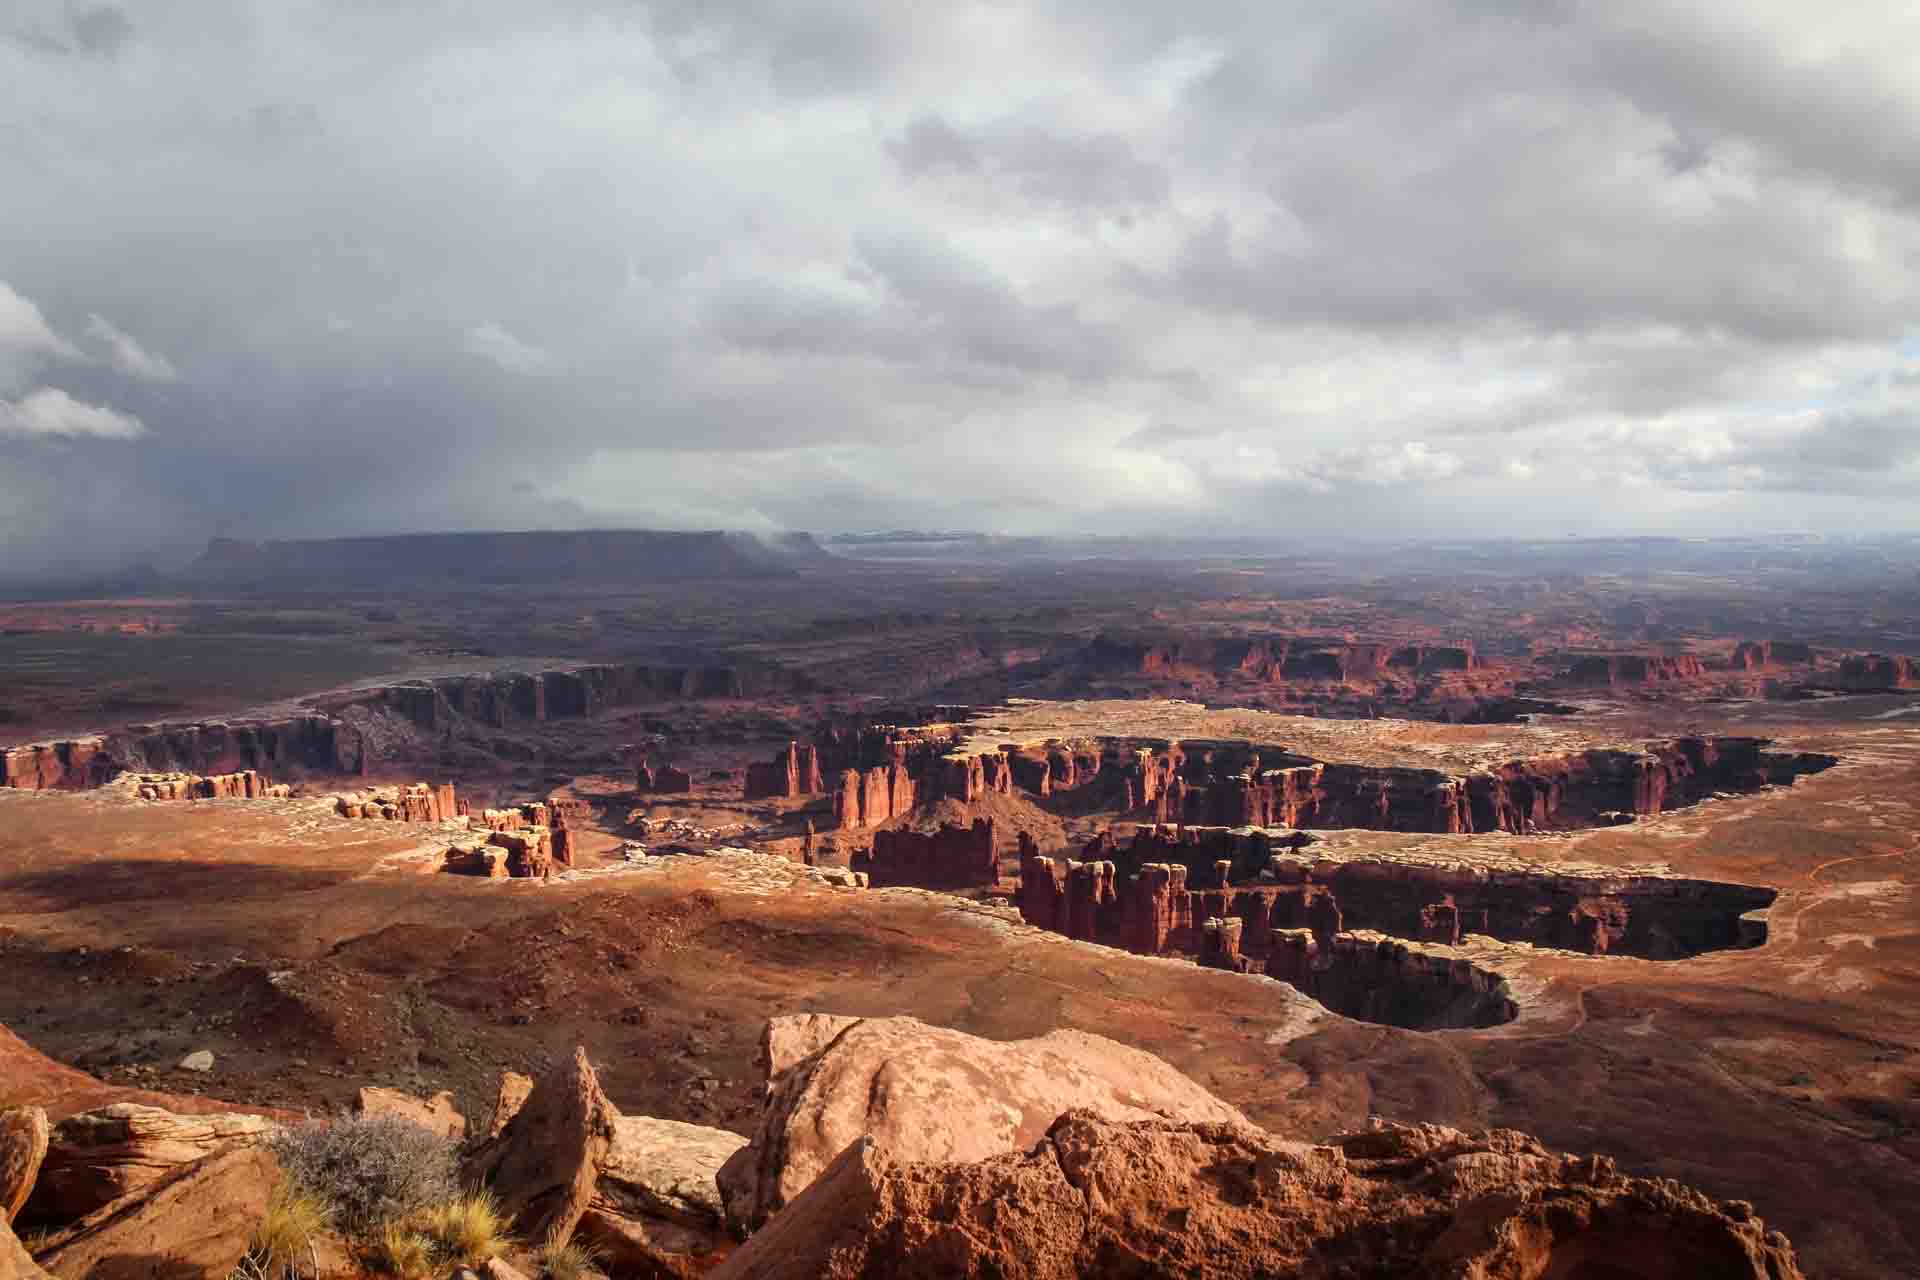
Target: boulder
[
  {"x": 24, "y": 1134},
  {"x": 102, "y": 1155},
  {"x": 927, "y": 1093},
  {"x": 436, "y": 1114},
  {"x": 195, "y": 1220},
  {"x": 543, "y": 1164},
  {"x": 1098, "y": 1198},
  {"x": 656, "y": 1207},
  {"x": 15, "y": 1262}
]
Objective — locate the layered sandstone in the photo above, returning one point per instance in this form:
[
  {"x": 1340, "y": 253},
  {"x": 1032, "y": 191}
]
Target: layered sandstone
[
  {"x": 928, "y": 1093},
  {"x": 1375, "y": 978},
  {"x": 411, "y": 802},
  {"x": 1270, "y": 881},
  {"x": 1099, "y": 1197},
  {"x": 561, "y": 1158},
  {"x": 244, "y": 785},
  {"x": 795, "y": 772},
  {"x": 952, "y": 857},
  {"x": 99, "y": 1156},
  {"x": 1239, "y": 786},
  {"x": 662, "y": 778}
]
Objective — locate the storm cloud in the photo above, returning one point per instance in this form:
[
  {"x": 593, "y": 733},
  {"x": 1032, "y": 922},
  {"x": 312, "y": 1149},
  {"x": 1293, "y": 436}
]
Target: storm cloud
[{"x": 1441, "y": 267}]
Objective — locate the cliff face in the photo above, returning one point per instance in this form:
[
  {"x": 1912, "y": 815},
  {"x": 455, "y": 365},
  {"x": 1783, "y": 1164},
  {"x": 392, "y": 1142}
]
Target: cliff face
[
  {"x": 503, "y": 699},
  {"x": 442, "y": 558},
  {"x": 954, "y": 857},
  {"x": 1374, "y": 978},
  {"x": 1156, "y": 907},
  {"x": 1579, "y": 789},
  {"x": 334, "y": 738},
  {"x": 1633, "y": 668},
  {"x": 1271, "y": 659},
  {"x": 74, "y": 765},
  {"x": 790, "y": 775}
]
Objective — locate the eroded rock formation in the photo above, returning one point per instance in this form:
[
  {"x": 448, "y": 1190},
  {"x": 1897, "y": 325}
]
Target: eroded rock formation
[
  {"x": 100, "y": 1156},
  {"x": 641, "y": 1191},
  {"x": 245, "y": 785},
  {"x": 661, "y": 778},
  {"x": 1097, "y": 1197},
  {"x": 953, "y": 857},
  {"x": 795, "y": 772},
  {"x": 411, "y": 802},
  {"x": 1270, "y": 881},
  {"x": 1234, "y": 785},
  {"x": 928, "y": 1093},
  {"x": 24, "y": 1137},
  {"x": 1370, "y": 976}
]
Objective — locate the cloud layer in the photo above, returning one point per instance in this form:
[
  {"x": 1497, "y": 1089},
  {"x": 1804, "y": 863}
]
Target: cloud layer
[{"x": 1375, "y": 268}]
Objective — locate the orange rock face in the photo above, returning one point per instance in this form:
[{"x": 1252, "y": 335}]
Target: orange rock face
[
  {"x": 954, "y": 857},
  {"x": 1097, "y": 1197}
]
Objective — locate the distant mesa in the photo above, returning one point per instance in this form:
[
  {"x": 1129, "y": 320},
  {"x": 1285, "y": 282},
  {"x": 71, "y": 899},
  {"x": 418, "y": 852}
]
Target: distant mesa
[{"x": 591, "y": 555}]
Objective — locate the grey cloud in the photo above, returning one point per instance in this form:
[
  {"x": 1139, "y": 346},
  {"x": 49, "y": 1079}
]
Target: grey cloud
[
  {"x": 1067, "y": 265},
  {"x": 1096, "y": 173}
]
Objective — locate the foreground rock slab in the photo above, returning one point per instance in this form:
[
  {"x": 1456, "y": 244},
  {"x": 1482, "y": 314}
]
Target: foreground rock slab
[
  {"x": 1096, "y": 1198},
  {"x": 643, "y": 1192},
  {"x": 101, "y": 1155},
  {"x": 24, "y": 1134},
  {"x": 194, "y": 1221},
  {"x": 15, "y": 1262},
  {"x": 925, "y": 1093},
  {"x": 657, "y": 1201}
]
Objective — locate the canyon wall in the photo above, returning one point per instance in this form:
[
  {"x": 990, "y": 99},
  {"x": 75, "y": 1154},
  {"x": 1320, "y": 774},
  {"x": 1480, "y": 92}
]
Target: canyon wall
[
  {"x": 1556, "y": 792},
  {"x": 1375, "y": 978},
  {"x": 1270, "y": 659},
  {"x": 953, "y": 857},
  {"x": 1156, "y": 907}
]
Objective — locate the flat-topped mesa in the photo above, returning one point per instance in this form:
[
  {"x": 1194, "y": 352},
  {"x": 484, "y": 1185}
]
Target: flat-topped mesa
[
  {"x": 954, "y": 857},
  {"x": 279, "y": 747},
  {"x": 1374, "y": 978},
  {"x": 244, "y": 785},
  {"x": 407, "y": 802}
]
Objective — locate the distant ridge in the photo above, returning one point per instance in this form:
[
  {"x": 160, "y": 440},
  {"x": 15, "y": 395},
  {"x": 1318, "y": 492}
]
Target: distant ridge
[{"x": 426, "y": 559}]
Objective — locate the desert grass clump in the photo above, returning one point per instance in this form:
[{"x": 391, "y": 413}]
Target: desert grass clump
[
  {"x": 294, "y": 1220},
  {"x": 569, "y": 1261},
  {"x": 401, "y": 1251},
  {"x": 369, "y": 1171},
  {"x": 468, "y": 1228}
]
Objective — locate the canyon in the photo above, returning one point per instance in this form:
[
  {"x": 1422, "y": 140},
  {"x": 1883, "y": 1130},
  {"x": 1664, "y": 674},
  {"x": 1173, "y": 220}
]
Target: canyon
[{"x": 1423, "y": 846}]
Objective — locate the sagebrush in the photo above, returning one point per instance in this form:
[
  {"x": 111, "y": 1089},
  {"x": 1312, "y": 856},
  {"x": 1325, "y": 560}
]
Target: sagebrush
[{"x": 369, "y": 1170}]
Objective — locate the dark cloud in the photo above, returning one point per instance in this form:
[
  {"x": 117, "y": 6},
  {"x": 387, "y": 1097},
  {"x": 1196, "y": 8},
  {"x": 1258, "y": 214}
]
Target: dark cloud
[{"x": 277, "y": 270}]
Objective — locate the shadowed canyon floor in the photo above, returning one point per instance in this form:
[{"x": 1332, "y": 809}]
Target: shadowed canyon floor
[{"x": 311, "y": 955}]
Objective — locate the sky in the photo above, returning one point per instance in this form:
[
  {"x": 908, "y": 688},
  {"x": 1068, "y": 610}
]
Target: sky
[{"x": 1498, "y": 269}]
